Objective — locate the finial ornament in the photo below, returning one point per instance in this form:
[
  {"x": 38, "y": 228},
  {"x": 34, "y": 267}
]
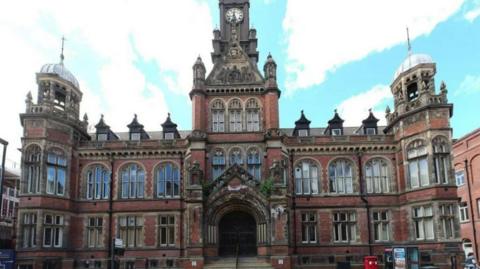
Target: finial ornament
[
  {"x": 62, "y": 57},
  {"x": 387, "y": 110},
  {"x": 85, "y": 117},
  {"x": 408, "y": 43}
]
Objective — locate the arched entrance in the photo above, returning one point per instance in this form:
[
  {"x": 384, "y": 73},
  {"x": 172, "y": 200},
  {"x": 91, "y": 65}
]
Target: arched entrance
[{"x": 237, "y": 229}]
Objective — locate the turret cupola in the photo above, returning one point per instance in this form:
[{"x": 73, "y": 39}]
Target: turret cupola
[
  {"x": 170, "y": 129},
  {"x": 302, "y": 126},
  {"x": 369, "y": 125},
  {"x": 335, "y": 125},
  {"x": 103, "y": 132},
  {"x": 136, "y": 131}
]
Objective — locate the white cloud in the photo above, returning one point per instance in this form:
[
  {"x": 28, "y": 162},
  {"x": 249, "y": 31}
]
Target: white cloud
[
  {"x": 323, "y": 35},
  {"x": 470, "y": 84},
  {"x": 473, "y": 13},
  {"x": 355, "y": 109},
  {"x": 169, "y": 33}
]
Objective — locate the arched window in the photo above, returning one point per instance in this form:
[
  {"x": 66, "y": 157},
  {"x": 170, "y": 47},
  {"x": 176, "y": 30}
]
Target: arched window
[
  {"x": 235, "y": 115},
  {"x": 306, "y": 178},
  {"x": 417, "y": 164},
  {"x": 218, "y": 163},
  {"x": 133, "y": 181},
  {"x": 167, "y": 180},
  {"x": 441, "y": 159},
  {"x": 98, "y": 183},
  {"x": 218, "y": 116},
  {"x": 236, "y": 156},
  {"x": 32, "y": 168},
  {"x": 341, "y": 179},
  {"x": 253, "y": 116},
  {"x": 56, "y": 172},
  {"x": 377, "y": 176},
  {"x": 254, "y": 164}
]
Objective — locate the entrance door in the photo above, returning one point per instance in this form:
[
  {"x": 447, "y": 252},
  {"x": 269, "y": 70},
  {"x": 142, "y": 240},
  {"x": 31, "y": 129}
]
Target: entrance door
[{"x": 237, "y": 229}]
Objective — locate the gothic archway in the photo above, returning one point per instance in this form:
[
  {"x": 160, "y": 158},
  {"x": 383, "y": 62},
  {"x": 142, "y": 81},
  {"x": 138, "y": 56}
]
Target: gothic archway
[{"x": 237, "y": 234}]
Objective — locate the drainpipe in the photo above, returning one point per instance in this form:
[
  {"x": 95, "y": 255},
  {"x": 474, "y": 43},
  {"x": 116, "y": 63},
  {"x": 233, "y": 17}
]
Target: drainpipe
[
  {"x": 474, "y": 230},
  {"x": 182, "y": 183},
  {"x": 294, "y": 204},
  {"x": 364, "y": 200},
  {"x": 111, "y": 246}
]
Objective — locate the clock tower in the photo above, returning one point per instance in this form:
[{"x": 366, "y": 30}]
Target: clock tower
[{"x": 235, "y": 14}]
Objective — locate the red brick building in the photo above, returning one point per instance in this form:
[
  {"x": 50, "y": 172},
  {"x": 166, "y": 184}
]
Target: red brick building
[
  {"x": 466, "y": 161},
  {"x": 237, "y": 183}
]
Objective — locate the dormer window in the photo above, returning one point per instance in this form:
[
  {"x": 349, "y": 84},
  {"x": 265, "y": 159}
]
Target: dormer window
[
  {"x": 302, "y": 132},
  {"x": 102, "y": 137},
  {"x": 169, "y": 136},
  {"x": 412, "y": 91},
  {"x": 336, "y": 131},
  {"x": 135, "y": 136},
  {"x": 370, "y": 131}
]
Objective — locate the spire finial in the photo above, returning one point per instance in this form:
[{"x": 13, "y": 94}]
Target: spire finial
[
  {"x": 335, "y": 111},
  {"x": 169, "y": 114},
  {"x": 370, "y": 110},
  {"x": 62, "y": 57},
  {"x": 408, "y": 42}
]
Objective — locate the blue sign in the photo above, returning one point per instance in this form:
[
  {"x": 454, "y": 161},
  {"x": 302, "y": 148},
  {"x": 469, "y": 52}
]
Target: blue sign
[{"x": 7, "y": 258}]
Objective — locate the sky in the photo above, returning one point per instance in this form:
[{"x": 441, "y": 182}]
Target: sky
[{"x": 137, "y": 56}]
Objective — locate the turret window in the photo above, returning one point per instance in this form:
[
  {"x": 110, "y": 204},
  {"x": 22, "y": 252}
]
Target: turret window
[
  {"x": 253, "y": 116},
  {"x": 135, "y": 136},
  {"x": 377, "y": 176},
  {"x": 133, "y": 181},
  {"x": 32, "y": 168},
  {"x": 303, "y": 132},
  {"x": 236, "y": 157},
  {"x": 254, "y": 163},
  {"x": 168, "y": 180},
  {"x": 341, "y": 179},
  {"x": 336, "y": 132},
  {"x": 417, "y": 164},
  {"x": 441, "y": 160},
  {"x": 218, "y": 163},
  {"x": 235, "y": 115},
  {"x": 306, "y": 178},
  {"x": 218, "y": 116},
  {"x": 412, "y": 91},
  {"x": 56, "y": 173},
  {"x": 98, "y": 183}
]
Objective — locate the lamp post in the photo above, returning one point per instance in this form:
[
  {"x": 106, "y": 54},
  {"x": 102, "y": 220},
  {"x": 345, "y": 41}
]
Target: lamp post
[{"x": 2, "y": 174}]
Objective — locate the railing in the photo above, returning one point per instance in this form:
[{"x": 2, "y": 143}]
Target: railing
[{"x": 236, "y": 255}]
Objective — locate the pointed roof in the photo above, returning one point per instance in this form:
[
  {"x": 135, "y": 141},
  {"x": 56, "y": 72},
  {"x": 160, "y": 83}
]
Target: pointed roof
[
  {"x": 101, "y": 124},
  {"x": 169, "y": 123},
  {"x": 336, "y": 119},
  {"x": 302, "y": 119},
  {"x": 370, "y": 119},
  {"x": 199, "y": 61},
  {"x": 135, "y": 125}
]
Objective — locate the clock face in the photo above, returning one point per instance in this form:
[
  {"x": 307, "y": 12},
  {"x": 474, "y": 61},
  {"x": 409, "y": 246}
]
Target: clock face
[{"x": 234, "y": 15}]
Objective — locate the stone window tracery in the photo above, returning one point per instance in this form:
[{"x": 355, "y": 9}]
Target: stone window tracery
[
  {"x": 306, "y": 178},
  {"x": 32, "y": 168},
  {"x": 218, "y": 116},
  {"x": 133, "y": 181},
  {"x": 253, "y": 115},
  {"x": 56, "y": 172},
  {"x": 377, "y": 176},
  {"x": 417, "y": 164},
  {"x": 341, "y": 177},
  {"x": 254, "y": 163},
  {"x": 441, "y": 160},
  {"x": 218, "y": 163},
  {"x": 98, "y": 183},
  {"x": 235, "y": 115},
  {"x": 236, "y": 156},
  {"x": 167, "y": 179}
]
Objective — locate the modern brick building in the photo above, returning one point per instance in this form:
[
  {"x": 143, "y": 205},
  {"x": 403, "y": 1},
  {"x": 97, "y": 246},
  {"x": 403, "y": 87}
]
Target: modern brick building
[
  {"x": 237, "y": 183},
  {"x": 466, "y": 161}
]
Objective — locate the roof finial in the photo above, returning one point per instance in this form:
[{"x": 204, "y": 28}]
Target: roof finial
[
  {"x": 61, "y": 54},
  {"x": 408, "y": 43}
]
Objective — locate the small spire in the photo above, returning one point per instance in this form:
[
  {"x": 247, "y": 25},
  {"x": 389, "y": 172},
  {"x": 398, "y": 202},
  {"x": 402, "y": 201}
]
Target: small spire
[
  {"x": 62, "y": 57},
  {"x": 387, "y": 110},
  {"x": 29, "y": 96},
  {"x": 335, "y": 110},
  {"x": 85, "y": 117},
  {"x": 408, "y": 43},
  {"x": 370, "y": 110}
]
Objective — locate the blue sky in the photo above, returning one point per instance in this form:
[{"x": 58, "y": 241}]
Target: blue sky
[{"x": 136, "y": 56}]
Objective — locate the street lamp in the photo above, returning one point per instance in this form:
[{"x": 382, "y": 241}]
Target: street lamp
[{"x": 2, "y": 173}]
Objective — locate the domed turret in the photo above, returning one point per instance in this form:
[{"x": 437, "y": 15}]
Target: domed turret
[
  {"x": 412, "y": 61},
  {"x": 61, "y": 71}
]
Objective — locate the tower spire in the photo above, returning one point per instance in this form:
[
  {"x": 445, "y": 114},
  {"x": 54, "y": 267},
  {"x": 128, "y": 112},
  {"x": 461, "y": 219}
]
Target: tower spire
[
  {"x": 62, "y": 57},
  {"x": 408, "y": 43}
]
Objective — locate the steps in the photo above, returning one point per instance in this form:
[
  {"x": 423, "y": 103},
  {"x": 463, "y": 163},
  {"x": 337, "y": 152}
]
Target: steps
[{"x": 243, "y": 263}]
